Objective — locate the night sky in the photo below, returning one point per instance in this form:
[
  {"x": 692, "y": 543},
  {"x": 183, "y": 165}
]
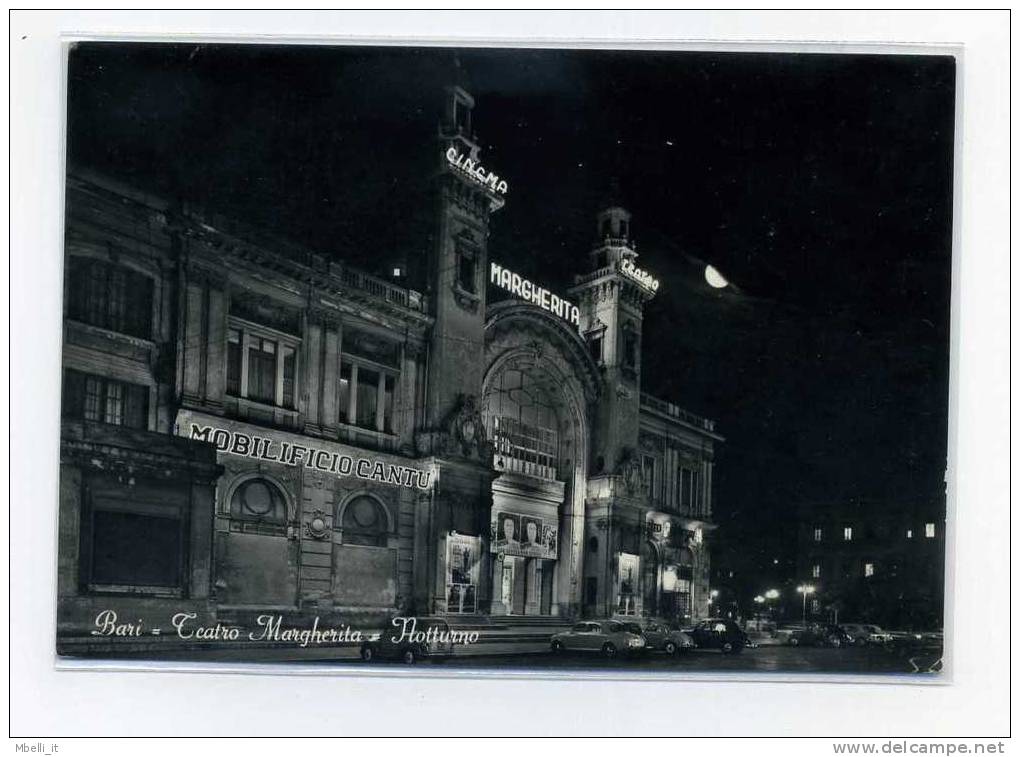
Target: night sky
[{"x": 820, "y": 186}]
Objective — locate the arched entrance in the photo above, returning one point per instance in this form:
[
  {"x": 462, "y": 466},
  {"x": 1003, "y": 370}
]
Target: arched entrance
[{"x": 538, "y": 384}]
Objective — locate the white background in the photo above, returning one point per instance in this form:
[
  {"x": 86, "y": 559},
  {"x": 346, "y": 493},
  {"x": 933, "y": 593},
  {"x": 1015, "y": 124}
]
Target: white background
[{"x": 50, "y": 703}]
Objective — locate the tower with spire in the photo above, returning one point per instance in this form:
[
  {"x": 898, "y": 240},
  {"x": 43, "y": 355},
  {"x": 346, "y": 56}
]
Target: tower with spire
[{"x": 611, "y": 298}]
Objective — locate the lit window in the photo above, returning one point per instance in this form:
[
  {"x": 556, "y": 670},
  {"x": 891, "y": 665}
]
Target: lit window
[
  {"x": 816, "y": 571},
  {"x": 816, "y": 606},
  {"x": 818, "y": 534},
  {"x": 848, "y": 534},
  {"x": 869, "y": 569},
  {"x": 910, "y": 533},
  {"x": 261, "y": 367},
  {"x": 929, "y": 530},
  {"x": 368, "y": 381}
]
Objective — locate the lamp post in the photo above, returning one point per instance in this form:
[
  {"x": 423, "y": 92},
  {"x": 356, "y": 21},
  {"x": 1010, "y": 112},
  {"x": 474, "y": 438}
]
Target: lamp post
[
  {"x": 804, "y": 590},
  {"x": 759, "y": 600}
]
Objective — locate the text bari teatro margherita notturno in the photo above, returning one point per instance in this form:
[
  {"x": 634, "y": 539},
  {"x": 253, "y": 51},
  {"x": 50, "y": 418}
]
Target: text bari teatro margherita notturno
[{"x": 259, "y": 448}]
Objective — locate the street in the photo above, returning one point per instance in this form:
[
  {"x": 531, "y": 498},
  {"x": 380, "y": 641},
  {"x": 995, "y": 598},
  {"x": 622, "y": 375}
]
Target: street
[{"x": 775, "y": 659}]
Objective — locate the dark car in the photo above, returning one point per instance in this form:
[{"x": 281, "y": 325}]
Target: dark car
[
  {"x": 815, "y": 634},
  {"x": 719, "y": 633},
  {"x": 410, "y": 639},
  {"x": 662, "y": 636}
]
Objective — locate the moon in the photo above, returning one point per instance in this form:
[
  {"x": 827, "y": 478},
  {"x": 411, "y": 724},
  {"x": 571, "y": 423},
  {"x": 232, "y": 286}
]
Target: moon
[{"x": 714, "y": 278}]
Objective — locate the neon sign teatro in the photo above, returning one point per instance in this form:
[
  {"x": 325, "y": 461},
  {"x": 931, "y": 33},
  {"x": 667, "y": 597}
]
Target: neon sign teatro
[
  {"x": 475, "y": 171},
  {"x": 642, "y": 277}
]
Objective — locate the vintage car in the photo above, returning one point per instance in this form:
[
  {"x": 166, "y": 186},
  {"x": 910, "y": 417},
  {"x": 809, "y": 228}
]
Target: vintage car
[
  {"x": 410, "y": 639},
  {"x": 719, "y": 633},
  {"x": 610, "y": 637},
  {"x": 814, "y": 634},
  {"x": 662, "y": 636}
]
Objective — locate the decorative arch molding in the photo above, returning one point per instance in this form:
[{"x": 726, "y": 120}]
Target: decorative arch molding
[
  {"x": 242, "y": 478},
  {"x": 523, "y": 323},
  {"x": 338, "y": 517}
]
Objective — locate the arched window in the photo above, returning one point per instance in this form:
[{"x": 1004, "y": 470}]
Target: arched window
[
  {"x": 258, "y": 506},
  {"x": 364, "y": 523}
]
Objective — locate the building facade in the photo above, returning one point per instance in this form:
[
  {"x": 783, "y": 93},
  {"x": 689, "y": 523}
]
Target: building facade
[
  {"x": 875, "y": 562},
  {"x": 250, "y": 426}
]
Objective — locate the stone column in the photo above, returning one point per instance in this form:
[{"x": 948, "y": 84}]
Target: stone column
[
  {"x": 216, "y": 358},
  {"x": 311, "y": 375},
  {"x": 193, "y": 340},
  {"x": 329, "y": 413}
]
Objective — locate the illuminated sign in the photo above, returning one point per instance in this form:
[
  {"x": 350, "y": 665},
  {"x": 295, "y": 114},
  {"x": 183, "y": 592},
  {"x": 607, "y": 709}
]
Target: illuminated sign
[
  {"x": 641, "y": 277},
  {"x": 536, "y": 295},
  {"x": 475, "y": 171},
  {"x": 269, "y": 450}
]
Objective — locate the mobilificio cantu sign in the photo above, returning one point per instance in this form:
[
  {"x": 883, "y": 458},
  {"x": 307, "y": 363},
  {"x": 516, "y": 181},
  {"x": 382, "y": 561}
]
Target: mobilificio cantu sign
[
  {"x": 273, "y": 451},
  {"x": 536, "y": 295}
]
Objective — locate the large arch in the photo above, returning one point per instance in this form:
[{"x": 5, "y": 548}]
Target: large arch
[{"x": 538, "y": 366}]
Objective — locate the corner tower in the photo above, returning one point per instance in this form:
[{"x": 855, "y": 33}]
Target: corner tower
[
  {"x": 453, "y": 519},
  {"x": 611, "y": 297},
  {"x": 467, "y": 194}
]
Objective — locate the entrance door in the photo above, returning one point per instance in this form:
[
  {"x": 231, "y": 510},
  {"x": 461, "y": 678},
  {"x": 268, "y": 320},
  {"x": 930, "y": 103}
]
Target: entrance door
[
  {"x": 507, "y": 584},
  {"x": 545, "y": 601},
  {"x": 520, "y": 585}
]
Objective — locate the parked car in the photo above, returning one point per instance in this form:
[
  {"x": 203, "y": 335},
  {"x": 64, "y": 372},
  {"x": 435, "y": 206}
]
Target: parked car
[
  {"x": 410, "y": 640},
  {"x": 662, "y": 636},
  {"x": 610, "y": 637},
  {"x": 721, "y": 634},
  {"x": 929, "y": 640},
  {"x": 866, "y": 633},
  {"x": 814, "y": 634}
]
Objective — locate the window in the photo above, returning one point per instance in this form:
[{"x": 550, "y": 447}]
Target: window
[
  {"x": 816, "y": 571},
  {"x": 816, "y": 606},
  {"x": 818, "y": 534},
  {"x": 262, "y": 367},
  {"x": 848, "y": 533},
  {"x": 103, "y": 400},
  {"x": 368, "y": 381},
  {"x": 593, "y": 544},
  {"x": 648, "y": 474},
  {"x": 929, "y": 530},
  {"x": 466, "y": 270},
  {"x": 262, "y": 370},
  {"x": 258, "y": 506},
  {"x": 595, "y": 348},
  {"x": 133, "y": 537},
  {"x": 869, "y": 569},
  {"x": 910, "y": 533},
  {"x": 689, "y": 494},
  {"x": 630, "y": 347},
  {"x": 367, "y": 397},
  {"x": 364, "y": 523},
  {"x": 110, "y": 296}
]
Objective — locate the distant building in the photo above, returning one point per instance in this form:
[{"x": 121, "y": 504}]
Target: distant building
[
  {"x": 250, "y": 426},
  {"x": 878, "y": 562}
]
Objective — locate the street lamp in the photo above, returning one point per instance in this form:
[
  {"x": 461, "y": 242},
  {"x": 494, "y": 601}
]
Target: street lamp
[
  {"x": 804, "y": 590},
  {"x": 759, "y": 600}
]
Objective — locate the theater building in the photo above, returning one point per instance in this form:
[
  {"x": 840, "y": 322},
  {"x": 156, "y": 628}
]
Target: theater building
[{"x": 251, "y": 426}]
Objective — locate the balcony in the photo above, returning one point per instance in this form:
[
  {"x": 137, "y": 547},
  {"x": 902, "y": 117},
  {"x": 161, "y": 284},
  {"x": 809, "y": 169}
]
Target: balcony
[{"x": 675, "y": 411}]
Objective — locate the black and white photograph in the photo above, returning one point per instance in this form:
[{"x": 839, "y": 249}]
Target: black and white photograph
[{"x": 553, "y": 359}]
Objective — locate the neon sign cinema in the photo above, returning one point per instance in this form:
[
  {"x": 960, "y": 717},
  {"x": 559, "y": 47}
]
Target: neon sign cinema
[{"x": 479, "y": 174}]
